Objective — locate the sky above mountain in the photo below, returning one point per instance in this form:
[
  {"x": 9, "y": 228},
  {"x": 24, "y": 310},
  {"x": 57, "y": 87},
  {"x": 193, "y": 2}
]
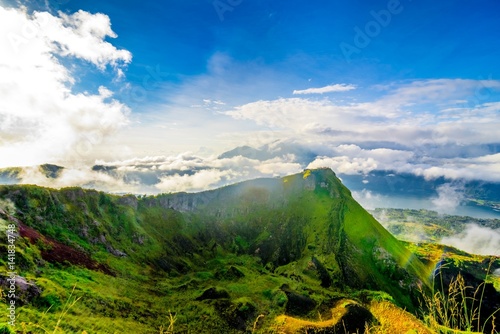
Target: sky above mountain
[{"x": 409, "y": 86}]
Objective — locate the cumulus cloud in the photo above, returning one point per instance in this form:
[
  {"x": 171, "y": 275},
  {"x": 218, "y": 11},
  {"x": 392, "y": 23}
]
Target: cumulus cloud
[
  {"x": 326, "y": 89},
  {"x": 41, "y": 118},
  {"x": 476, "y": 239},
  {"x": 81, "y": 35}
]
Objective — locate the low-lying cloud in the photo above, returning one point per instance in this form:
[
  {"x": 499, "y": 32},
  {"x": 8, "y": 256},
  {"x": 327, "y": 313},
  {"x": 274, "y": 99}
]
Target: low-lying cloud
[
  {"x": 476, "y": 239},
  {"x": 161, "y": 174},
  {"x": 449, "y": 197},
  {"x": 352, "y": 159},
  {"x": 368, "y": 199}
]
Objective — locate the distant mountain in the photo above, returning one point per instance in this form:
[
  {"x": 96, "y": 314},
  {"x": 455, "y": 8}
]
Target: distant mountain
[
  {"x": 269, "y": 151},
  {"x": 247, "y": 152},
  {"x": 10, "y": 175},
  {"x": 51, "y": 171},
  {"x": 13, "y": 175},
  {"x": 393, "y": 183}
]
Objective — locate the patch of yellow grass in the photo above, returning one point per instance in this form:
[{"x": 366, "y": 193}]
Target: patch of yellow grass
[
  {"x": 393, "y": 319},
  {"x": 285, "y": 324}
]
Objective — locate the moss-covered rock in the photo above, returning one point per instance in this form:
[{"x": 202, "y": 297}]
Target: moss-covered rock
[{"x": 214, "y": 293}]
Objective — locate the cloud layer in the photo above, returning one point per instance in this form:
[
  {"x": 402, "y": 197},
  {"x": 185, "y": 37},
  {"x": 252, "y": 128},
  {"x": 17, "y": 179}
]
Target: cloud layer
[{"x": 161, "y": 174}]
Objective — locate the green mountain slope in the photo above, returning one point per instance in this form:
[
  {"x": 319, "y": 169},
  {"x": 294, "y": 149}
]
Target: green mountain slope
[
  {"x": 300, "y": 217},
  {"x": 216, "y": 259}
]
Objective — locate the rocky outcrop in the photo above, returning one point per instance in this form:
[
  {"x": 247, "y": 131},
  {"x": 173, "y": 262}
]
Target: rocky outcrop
[{"x": 25, "y": 291}]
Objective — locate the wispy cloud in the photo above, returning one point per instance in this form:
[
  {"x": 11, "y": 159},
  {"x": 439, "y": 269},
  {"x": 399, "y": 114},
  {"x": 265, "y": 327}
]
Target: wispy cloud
[
  {"x": 326, "y": 89},
  {"x": 416, "y": 112}
]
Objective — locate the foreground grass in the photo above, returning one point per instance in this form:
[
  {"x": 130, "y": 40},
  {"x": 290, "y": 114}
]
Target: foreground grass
[
  {"x": 78, "y": 300},
  {"x": 457, "y": 307}
]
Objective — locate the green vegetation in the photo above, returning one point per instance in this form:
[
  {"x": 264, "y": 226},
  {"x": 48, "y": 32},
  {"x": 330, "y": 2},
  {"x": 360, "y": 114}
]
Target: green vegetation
[{"x": 231, "y": 260}]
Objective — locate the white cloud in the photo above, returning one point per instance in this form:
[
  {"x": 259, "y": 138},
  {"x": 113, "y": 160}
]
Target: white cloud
[
  {"x": 368, "y": 199},
  {"x": 326, "y": 89},
  {"x": 414, "y": 113},
  {"x": 351, "y": 159},
  {"x": 82, "y": 35},
  {"x": 278, "y": 168},
  {"x": 441, "y": 91},
  {"x": 345, "y": 164},
  {"x": 476, "y": 239},
  {"x": 202, "y": 180},
  {"x": 83, "y": 177},
  {"x": 449, "y": 198},
  {"x": 422, "y": 116},
  {"x": 486, "y": 167},
  {"x": 151, "y": 175},
  {"x": 291, "y": 113},
  {"x": 41, "y": 118}
]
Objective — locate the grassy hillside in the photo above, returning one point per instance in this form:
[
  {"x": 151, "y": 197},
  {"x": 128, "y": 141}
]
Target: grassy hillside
[{"x": 231, "y": 260}]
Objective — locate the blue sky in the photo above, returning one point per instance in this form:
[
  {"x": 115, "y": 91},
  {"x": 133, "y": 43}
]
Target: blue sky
[
  {"x": 424, "y": 39},
  {"x": 411, "y": 86}
]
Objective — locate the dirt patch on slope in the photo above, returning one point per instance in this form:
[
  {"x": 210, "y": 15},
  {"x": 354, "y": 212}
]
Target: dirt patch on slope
[{"x": 56, "y": 252}]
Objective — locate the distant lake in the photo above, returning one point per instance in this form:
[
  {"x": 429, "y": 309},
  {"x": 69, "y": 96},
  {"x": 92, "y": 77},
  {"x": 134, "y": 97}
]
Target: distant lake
[{"x": 408, "y": 202}]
